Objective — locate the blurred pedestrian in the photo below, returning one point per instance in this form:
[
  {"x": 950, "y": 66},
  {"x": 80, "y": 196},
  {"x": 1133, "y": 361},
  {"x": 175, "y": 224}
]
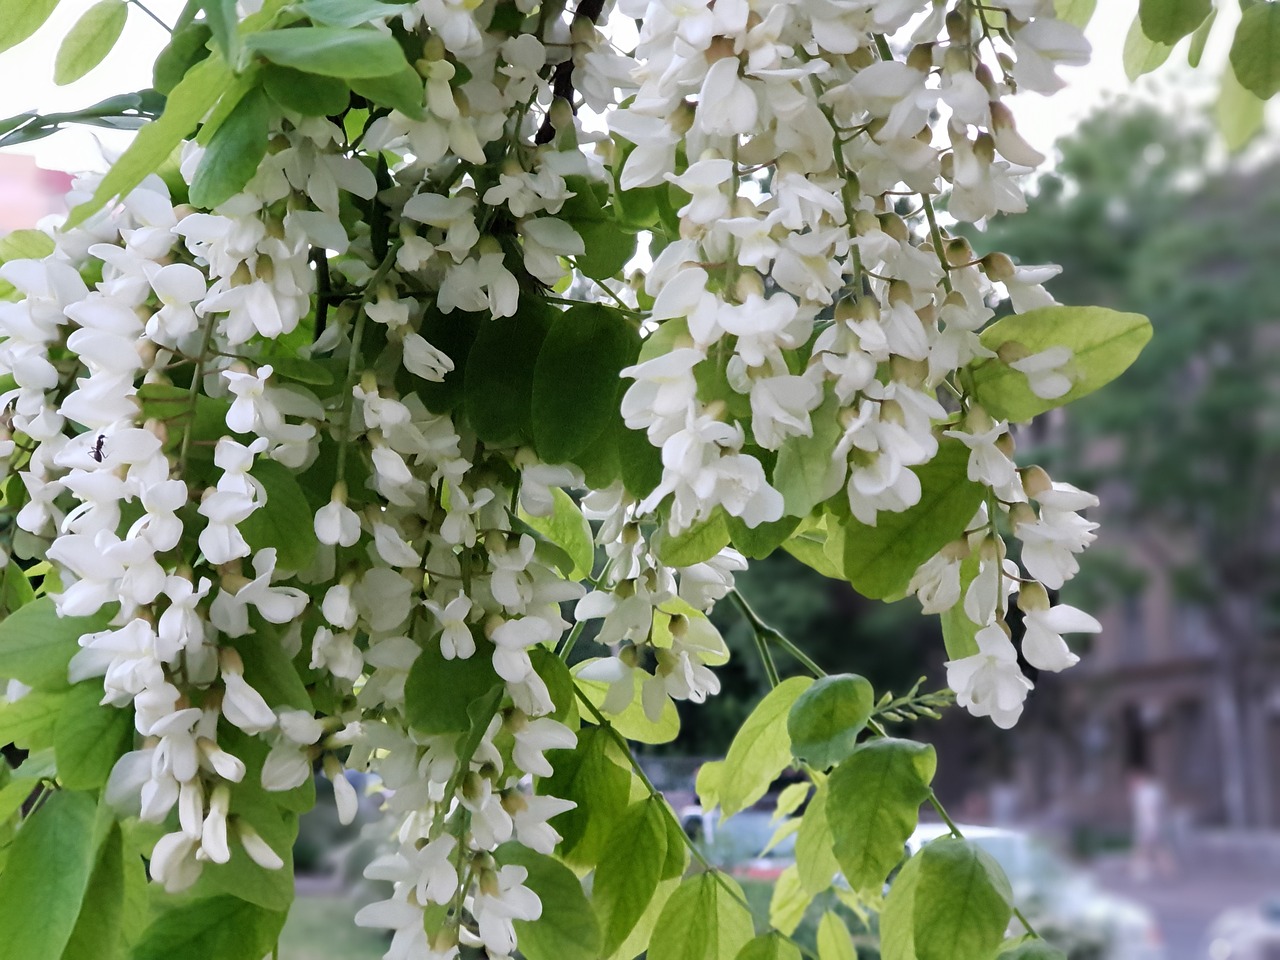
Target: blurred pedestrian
[{"x": 1149, "y": 807}]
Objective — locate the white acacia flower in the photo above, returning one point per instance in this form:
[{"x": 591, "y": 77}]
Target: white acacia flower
[{"x": 989, "y": 683}]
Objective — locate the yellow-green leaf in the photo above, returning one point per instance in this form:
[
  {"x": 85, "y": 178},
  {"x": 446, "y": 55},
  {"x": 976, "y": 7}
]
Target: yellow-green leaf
[
  {"x": 1168, "y": 21},
  {"x": 761, "y": 749},
  {"x": 90, "y": 40},
  {"x": 1239, "y": 114},
  {"x": 834, "y": 942},
  {"x": 1142, "y": 54},
  {"x": 19, "y": 19}
]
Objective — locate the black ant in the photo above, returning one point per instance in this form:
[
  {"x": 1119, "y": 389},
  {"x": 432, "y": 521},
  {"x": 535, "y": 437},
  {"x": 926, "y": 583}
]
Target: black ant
[{"x": 96, "y": 453}]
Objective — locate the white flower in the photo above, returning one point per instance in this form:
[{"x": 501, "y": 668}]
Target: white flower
[
  {"x": 1042, "y": 643},
  {"x": 1045, "y": 372},
  {"x": 455, "y": 636},
  {"x": 498, "y": 903},
  {"x": 424, "y": 360},
  {"x": 989, "y": 683},
  {"x": 241, "y": 704},
  {"x": 535, "y": 737},
  {"x": 336, "y": 523},
  {"x": 230, "y": 609}
]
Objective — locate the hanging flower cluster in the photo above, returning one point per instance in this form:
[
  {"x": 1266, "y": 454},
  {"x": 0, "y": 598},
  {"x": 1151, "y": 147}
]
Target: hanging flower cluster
[{"x": 463, "y": 330}]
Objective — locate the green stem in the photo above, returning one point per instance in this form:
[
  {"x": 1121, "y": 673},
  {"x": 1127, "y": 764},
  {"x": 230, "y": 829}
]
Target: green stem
[
  {"x": 143, "y": 8},
  {"x": 771, "y": 635},
  {"x": 936, "y": 235},
  {"x": 353, "y": 360},
  {"x": 193, "y": 395}
]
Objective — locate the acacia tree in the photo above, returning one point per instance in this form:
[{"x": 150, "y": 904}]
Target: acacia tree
[{"x": 372, "y": 373}]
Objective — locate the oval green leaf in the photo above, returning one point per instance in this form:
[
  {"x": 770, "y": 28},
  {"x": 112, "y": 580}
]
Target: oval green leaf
[
  {"x": 330, "y": 51},
  {"x": 825, "y": 722},
  {"x": 234, "y": 152},
  {"x": 1255, "y": 51},
  {"x": 703, "y": 920},
  {"x": 89, "y": 41}
]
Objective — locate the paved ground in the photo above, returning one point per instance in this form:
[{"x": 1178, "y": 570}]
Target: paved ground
[{"x": 1212, "y": 875}]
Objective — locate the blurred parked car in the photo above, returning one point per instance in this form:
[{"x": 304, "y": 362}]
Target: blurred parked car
[
  {"x": 1246, "y": 933},
  {"x": 1062, "y": 901},
  {"x": 737, "y": 845}
]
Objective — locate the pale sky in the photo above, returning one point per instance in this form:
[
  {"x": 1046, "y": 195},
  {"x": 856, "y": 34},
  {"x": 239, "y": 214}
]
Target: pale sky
[{"x": 27, "y": 74}]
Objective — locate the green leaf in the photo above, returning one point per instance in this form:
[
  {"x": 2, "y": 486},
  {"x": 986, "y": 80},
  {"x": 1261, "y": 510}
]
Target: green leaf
[
  {"x": 703, "y": 920},
  {"x": 834, "y": 942},
  {"x": 756, "y": 543},
  {"x": 677, "y": 859},
  {"x": 190, "y": 100},
  {"x": 568, "y": 529},
  {"x": 19, "y": 19},
  {"x": 330, "y": 51},
  {"x": 36, "y": 644},
  {"x": 187, "y": 47},
  {"x": 438, "y": 692},
  {"x": 46, "y": 876},
  {"x": 555, "y": 674},
  {"x": 700, "y": 542},
  {"x": 816, "y": 863},
  {"x": 959, "y": 633},
  {"x": 15, "y": 589},
  {"x": 1104, "y": 343},
  {"x": 808, "y": 545},
  {"x": 639, "y": 461},
  {"x": 761, "y": 749},
  {"x": 269, "y": 669},
  {"x": 825, "y": 722},
  {"x": 897, "y": 919},
  {"x": 306, "y": 93},
  {"x": 770, "y": 946},
  {"x": 1142, "y": 54},
  {"x": 221, "y": 17},
  {"x": 30, "y": 721},
  {"x": 608, "y": 248},
  {"x": 311, "y": 372},
  {"x": 211, "y": 928},
  {"x": 806, "y": 474},
  {"x": 1201, "y": 37},
  {"x": 349, "y": 13},
  {"x": 234, "y": 152},
  {"x": 1239, "y": 114},
  {"x": 873, "y": 805},
  {"x": 25, "y": 245},
  {"x": 89, "y": 738},
  {"x": 567, "y": 929},
  {"x": 575, "y": 379},
  {"x": 789, "y": 902},
  {"x": 285, "y": 521},
  {"x": 587, "y": 775},
  {"x": 1255, "y": 51},
  {"x": 1168, "y": 21},
  {"x": 963, "y": 902},
  {"x": 89, "y": 40},
  {"x": 630, "y": 869},
  {"x": 15, "y": 794},
  {"x": 100, "y": 932},
  {"x": 879, "y": 561},
  {"x": 499, "y": 380},
  {"x": 1075, "y": 12},
  {"x": 633, "y": 723},
  {"x": 404, "y": 90}
]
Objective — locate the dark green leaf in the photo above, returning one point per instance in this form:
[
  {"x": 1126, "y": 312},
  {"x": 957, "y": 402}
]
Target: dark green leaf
[
  {"x": 879, "y": 561},
  {"x": 306, "y": 93},
  {"x": 404, "y": 90},
  {"x": 89, "y": 738},
  {"x": 555, "y": 674},
  {"x": 1168, "y": 21},
  {"x": 567, "y": 929},
  {"x": 285, "y": 521},
  {"x": 589, "y": 776},
  {"x": 756, "y": 543},
  {"x": 824, "y": 723},
  {"x": 962, "y": 902},
  {"x": 873, "y": 804},
  {"x": 575, "y": 379},
  {"x": 639, "y": 461},
  {"x": 630, "y": 869},
  {"x": 89, "y": 40},
  {"x": 1255, "y": 51},
  {"x": 221, "y": 17},
  {"x": 234, "y": 152},
  {"x": 46, "y": 876},
  {"x": 439, "y": 691},
  {"x": 187, "y": 47},
  {"x": 703, "y": 920},
  {"x": 211, "y": 928},
  {"x": 36, "y": 644},
  {"x": 498, "y": 383},
  {"x": 330, "y": 51}
]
